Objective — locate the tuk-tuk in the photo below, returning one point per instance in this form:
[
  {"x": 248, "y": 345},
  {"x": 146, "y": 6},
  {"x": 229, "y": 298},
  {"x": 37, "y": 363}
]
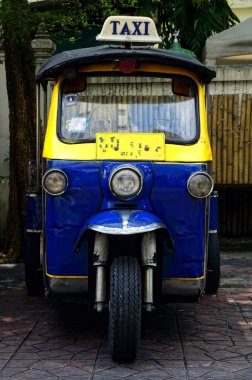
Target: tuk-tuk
[{"x": 121, "y": 207}]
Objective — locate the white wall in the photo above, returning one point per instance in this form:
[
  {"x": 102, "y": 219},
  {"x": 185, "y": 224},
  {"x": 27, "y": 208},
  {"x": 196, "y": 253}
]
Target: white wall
[{"x": 242, "y": 8}]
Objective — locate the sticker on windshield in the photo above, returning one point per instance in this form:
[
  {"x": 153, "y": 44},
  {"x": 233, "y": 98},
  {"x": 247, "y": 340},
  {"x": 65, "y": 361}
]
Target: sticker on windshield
[
  {"x": 77, "y": 124},
  {"x": 71, "y": 100}
]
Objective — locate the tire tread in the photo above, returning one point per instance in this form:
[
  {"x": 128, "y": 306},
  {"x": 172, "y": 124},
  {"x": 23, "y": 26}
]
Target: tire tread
[{"x": 125, "y": 308}]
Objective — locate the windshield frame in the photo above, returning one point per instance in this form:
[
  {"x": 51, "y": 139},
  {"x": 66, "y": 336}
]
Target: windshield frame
[{"x": 138, "y": 74}]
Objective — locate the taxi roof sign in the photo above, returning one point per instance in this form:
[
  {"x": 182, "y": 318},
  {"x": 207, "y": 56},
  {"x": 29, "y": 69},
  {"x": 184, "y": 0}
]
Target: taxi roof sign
[{"x": 129, "y": 29}]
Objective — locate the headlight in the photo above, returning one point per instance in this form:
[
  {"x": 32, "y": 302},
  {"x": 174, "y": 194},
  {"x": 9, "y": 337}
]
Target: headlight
[
  {"x": 54, "y": 182},
  {"x": 126, "y": 182},
  {"x": 200, "y": 185}
]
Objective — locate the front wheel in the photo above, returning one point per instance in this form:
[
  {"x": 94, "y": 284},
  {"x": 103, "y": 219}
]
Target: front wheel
[
  {"x": 125, "y": 308},
  {"x": 213, "y": 265}
]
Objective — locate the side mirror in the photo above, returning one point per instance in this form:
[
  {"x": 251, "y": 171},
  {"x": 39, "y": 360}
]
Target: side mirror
[{"x": 182, "y": 87}]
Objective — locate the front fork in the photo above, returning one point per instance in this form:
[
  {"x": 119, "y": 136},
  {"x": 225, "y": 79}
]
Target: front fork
[
  {"x": 101, "y": 255},
  {"x": 148, "y": 260}
]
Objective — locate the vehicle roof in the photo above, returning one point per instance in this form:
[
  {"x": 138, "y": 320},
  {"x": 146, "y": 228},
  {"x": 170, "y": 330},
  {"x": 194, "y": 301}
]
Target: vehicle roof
[{"x": 106, "y": 53}]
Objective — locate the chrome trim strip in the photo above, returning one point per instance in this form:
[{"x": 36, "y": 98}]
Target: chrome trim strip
[
  {"x": 37, "y": 231},
  {"x": 213, "y": 231},
  {"x": 32, "y": 195},
  {"x": 125, "y": 230}
]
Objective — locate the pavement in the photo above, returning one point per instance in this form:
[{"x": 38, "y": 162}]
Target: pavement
[{"x": 65, "y": 339}]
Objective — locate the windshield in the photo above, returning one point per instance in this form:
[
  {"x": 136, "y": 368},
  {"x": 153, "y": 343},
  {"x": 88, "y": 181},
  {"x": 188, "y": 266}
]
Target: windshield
[{"x": 129, "y": 104}]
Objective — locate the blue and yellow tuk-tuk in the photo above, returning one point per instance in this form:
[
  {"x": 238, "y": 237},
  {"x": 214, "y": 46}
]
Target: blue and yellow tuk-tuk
[{"x": 121, "y": 207}]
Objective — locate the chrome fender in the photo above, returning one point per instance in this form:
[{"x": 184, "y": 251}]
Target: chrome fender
[{"x": 122, "y": 222}]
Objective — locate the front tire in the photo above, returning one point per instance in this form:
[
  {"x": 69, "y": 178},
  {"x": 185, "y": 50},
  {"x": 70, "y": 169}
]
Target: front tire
[
  {"x": 213, "y": 265},
  {"x": 33, "y": 270},
  {"x": 125, "y": 308}
]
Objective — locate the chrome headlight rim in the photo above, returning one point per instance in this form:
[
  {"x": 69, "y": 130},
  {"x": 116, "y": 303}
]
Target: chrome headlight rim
[
  {"x": 126, "y": 167},
  {"x": 202, "y": 173},
  {"x": 50, "y": 171}
]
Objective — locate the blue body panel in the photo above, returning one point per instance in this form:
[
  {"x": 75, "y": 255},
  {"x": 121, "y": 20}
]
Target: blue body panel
[
  {"x": 184, "y": 217},
  {"x": 66, "y": 214},
  {"x": 142, "y": 200},
  {"x": 89, "y": 201}
]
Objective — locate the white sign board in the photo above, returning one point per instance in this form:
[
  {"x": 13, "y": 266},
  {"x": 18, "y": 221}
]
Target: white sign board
[{"x": 129, "y": 29}]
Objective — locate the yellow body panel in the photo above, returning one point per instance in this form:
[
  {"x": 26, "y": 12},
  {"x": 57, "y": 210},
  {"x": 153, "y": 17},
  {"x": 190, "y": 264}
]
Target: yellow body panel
[
  {"x": 130, "y": 146},
  {"x": 56, "y": 149},
  {"x": 54, "y": 276}
]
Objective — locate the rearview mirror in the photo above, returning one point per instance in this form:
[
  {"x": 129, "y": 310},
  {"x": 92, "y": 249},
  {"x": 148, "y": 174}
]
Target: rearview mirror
[
  {"x": 78, "y": 84},
  {"x": 182, "y": 87}
]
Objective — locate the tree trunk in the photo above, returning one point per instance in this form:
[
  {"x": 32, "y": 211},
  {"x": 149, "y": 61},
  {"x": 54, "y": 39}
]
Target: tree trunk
[{"x": 20, "y": 77}]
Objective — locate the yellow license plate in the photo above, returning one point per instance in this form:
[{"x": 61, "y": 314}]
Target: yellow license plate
[{"x": 130, "y": 146}]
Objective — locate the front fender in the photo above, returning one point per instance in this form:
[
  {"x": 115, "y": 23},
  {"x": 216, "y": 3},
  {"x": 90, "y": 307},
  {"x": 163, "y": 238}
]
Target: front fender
[{"x": 122, "y": 222}]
